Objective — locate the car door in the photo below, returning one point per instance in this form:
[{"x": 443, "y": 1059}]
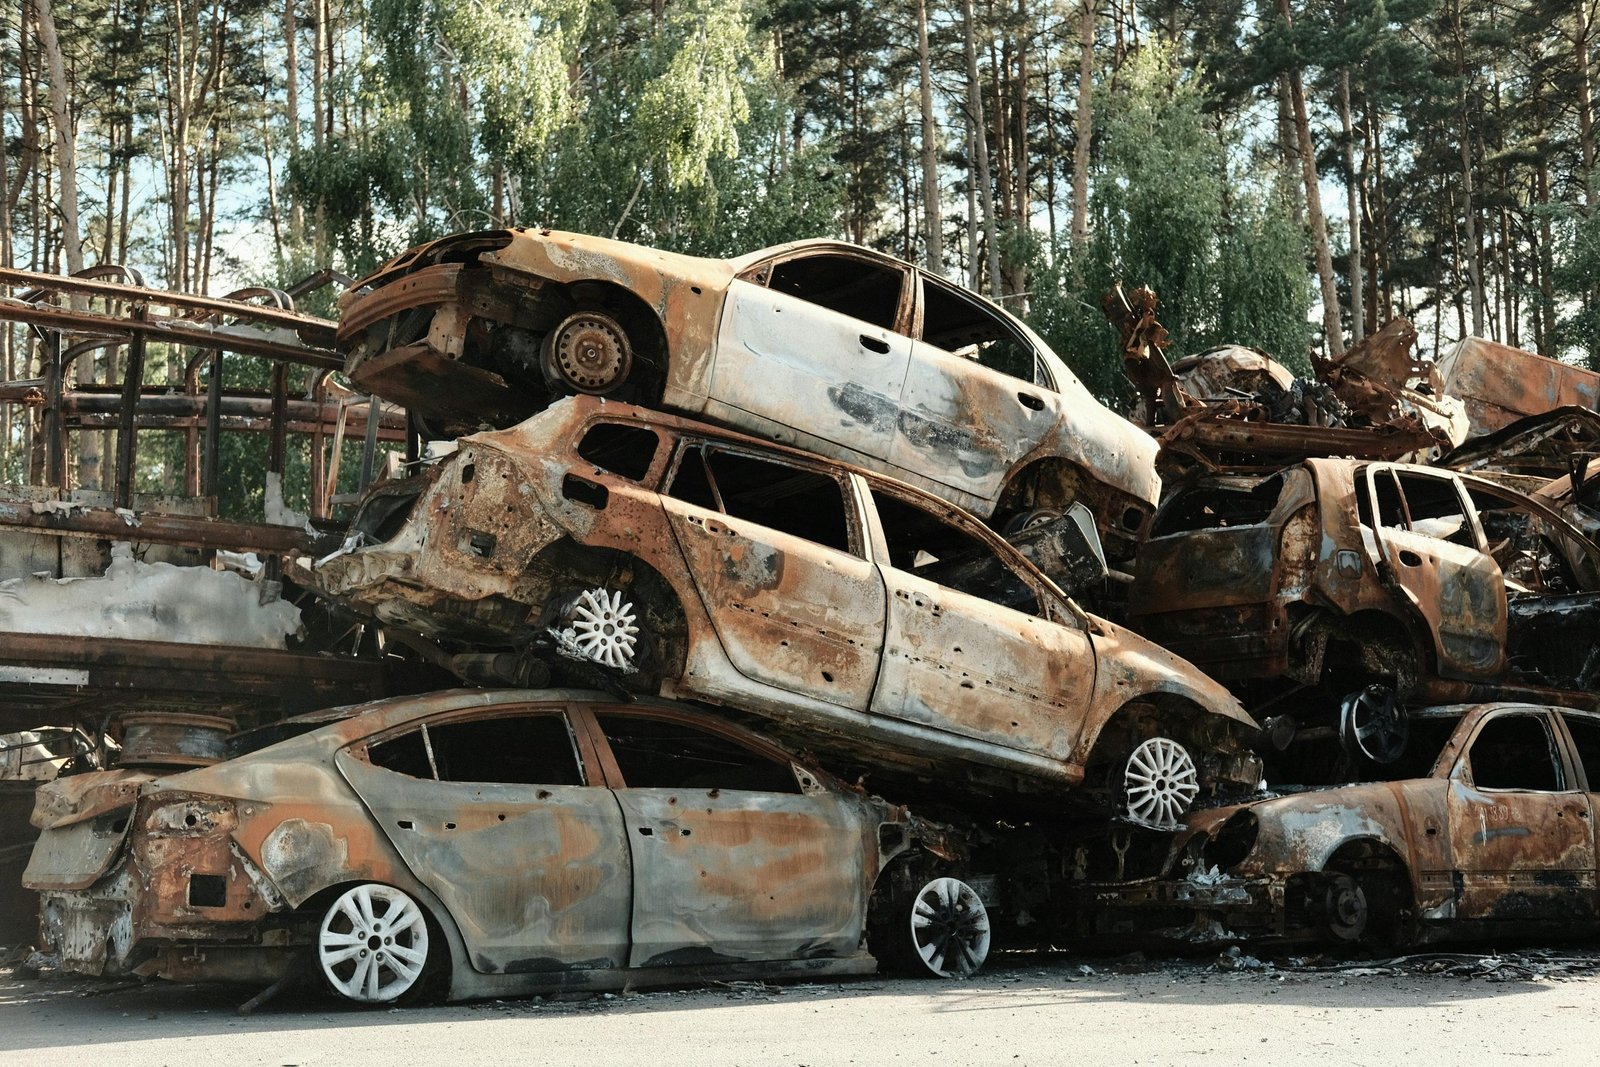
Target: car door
[
  {"x": 812, "y": 350},
  {"x": 977, "y": 398},
  {"x": 491, "y": 812},
  {"x": 775, "y": 552},
  {"x": 1422, "y": 532},
  {"x": 972, "y": 645},
  {"x": 737, "y": 854},
  {"x": 1521, "y": 832}
]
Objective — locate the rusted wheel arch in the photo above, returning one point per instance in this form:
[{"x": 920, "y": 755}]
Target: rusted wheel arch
[
  {"x": 646, "y": 337},
  {"x": 1155, "y": 715},
  {"x": 1046, "y": 482},
  {"x": 1387, "y": 646},
  {"x": 889, "y": 909},
  {"x": 1385, "y": 881},
  {"x": 574, "y": 568}
]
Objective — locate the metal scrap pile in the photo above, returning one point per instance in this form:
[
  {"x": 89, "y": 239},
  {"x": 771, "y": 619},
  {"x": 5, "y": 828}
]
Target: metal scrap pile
[{"x": 822, "y": 493}]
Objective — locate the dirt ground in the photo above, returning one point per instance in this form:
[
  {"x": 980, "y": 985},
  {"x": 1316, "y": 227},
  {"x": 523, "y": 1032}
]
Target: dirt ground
[{"x": 1492, "y": 1007}]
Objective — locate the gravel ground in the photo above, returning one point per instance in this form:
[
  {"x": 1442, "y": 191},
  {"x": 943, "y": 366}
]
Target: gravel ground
[{"x": 1436, "y": 1008}]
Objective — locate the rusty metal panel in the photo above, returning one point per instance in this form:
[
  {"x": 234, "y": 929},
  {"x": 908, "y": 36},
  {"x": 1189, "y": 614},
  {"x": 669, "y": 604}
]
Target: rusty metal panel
[
  {"x": 1500, "y": 384},
  {"x": 723, "y": 873},
  {"x": 536, "y": 878},
  {"x": 787, "y": 612}
]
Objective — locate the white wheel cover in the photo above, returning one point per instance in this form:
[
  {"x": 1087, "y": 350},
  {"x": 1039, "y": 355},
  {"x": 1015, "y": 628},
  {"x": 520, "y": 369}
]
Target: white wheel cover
[
  {"x": 950, "y": 928},
  {"x": 373, "y": 943},
  {"x": 1160, "y": 782},
  {"x": 604, "y": 628}
]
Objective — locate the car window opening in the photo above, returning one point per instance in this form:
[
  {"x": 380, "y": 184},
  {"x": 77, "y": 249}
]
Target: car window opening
[
  {"x": 660, "y": 754},
  {"x": 798, "y": 502},
  {"x": 930, "y": 548},
  {"x": 622, "y": 450},
  {"x": 854, "y": 287},
  {"x": 1586, "y": 737},
  {"x": 1515, "y": 752},
  {"x": 964, "y": 327},
  {"x": 1436, "y": 510},
  {"x": 510, "y": 750}
]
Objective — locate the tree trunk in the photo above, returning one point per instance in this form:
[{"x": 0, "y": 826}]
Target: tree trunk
[
  {"x": 291, "y": 106},
  {"x": 932, "y": 229},
  {"x": 1358, "y": 322},
  {"x": 1580, "y": 54},
  {"x": 1084, "y": 124},
  {"x": 972, "y": 210},
  {"x": 1319, "y": 225},
  {"x": 1469, "y": 218},
  {"x": 981, "y": 149},
  {"x": 66, "y": 136}
]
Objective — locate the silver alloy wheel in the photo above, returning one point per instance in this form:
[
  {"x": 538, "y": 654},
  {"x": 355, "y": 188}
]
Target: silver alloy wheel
[
  {"x": 603, "y": 627},
  {"x": 1159, "y": 783},
  {"x": 589, "y": 353},
  {"x": 373, "y": 944},
  {"x": 949, "y": 928}
]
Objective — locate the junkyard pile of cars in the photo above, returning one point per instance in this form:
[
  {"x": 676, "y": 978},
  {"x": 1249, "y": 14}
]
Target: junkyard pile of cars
[{"x": 693, "y": 562}]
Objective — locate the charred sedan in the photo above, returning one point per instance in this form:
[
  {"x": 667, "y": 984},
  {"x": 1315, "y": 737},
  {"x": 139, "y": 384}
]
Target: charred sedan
[
  {"x": 832, "y": 348},
  {"x": 1486, "y": 829},
  {"x": 699, "y": 563},
  {"x": 492, "y": 843}
]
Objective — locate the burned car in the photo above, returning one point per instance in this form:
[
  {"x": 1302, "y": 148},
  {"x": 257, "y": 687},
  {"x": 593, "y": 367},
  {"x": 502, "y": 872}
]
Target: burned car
[
  {"x": 488, "y": 843},
  {"x": 857, "y": 611},
  {"x": 1375, "y": 582},
  {"x": 1486, "y": 828},
  {"x": 826, "y": 346}
]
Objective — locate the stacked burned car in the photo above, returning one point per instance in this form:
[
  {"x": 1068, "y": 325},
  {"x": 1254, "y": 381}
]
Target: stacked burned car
[
  {"x": 848, "y": 609},
  {"x": 905, "y": 541},
  {"x": 492, "y": 843}
]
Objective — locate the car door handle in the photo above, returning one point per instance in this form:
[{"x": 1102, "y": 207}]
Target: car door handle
[
  {"x": 1030, "y": 401},
  {"x": 1410, "y": 558},
  {"x": 875, "y": 344}
]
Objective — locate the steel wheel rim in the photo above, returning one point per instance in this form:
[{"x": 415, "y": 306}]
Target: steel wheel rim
[
  {"x": 591, "y": 354},
  {"x": 1160, "y": 781},
  {"x": 373, "y": 943},
  {"x": 604, "y": 627},
  {"x": 950, "y": 928}
]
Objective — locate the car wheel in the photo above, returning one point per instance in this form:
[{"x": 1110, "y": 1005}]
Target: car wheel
[
  {"x": 588, "y": 352},
  {"x": 940, "y": 931},
  {"x": 1345, "y": 911},
  {"x": 372, "y": 944},
  {"x": 1159, "y": 782},
  {"x": 1027, "y": 520},
  {"x": 602, "y": 625}
]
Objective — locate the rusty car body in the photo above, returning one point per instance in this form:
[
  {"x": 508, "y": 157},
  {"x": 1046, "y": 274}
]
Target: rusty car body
[
  {"x": 483, "y": 843},
  {"x": 703, "y": 564},
  {"x": 823, "y": 345},
  {"x": 1485, "y": 829},
  {"x": 1500, "y": 384},
  {"x": 1344, "y": 575}
]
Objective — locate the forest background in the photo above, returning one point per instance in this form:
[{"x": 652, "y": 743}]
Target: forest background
[{"x": 1285, "y": 173}]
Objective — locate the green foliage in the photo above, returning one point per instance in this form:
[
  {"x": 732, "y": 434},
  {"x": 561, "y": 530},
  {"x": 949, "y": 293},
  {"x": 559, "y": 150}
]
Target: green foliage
[
  {"x": 1577, "y": 267},
  {"x": 1220, "y": 249}
]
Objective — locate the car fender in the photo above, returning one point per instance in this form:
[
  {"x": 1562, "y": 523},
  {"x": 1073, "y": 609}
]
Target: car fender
[{"x": 685, "y": 292}]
